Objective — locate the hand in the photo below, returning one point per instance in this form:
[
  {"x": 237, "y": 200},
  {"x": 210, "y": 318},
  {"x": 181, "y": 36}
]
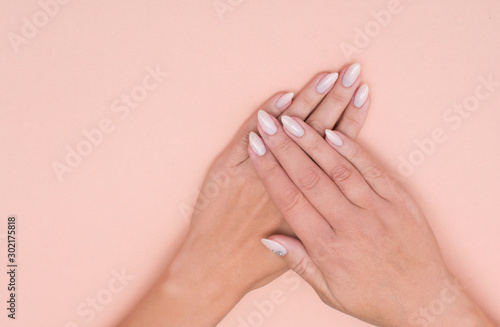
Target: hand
[
  {"x": 365, "y": 246},
  {"x": 221, "y": 258}
]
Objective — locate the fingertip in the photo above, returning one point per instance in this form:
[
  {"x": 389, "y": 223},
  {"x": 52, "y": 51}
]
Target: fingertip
[
  {"x": 256, "y": 144},
  {"x": 326, "y": 82},
  {"x": 276, "y": 247},
  {"x": 284, "y": 101},
  {"x": 351, "y": 75},
  {"x": 292, "y": 126},
  {"x": 334, "y": 138},
  {"x": 361, "y": 96}
]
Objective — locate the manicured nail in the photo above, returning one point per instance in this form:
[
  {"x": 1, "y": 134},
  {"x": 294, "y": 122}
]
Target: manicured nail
[
  {"x": 333, "y": 137},
  {"x": 257, "y": 145},
  {"x": 277, "y": 248},
  {"x": 267, "y": 123},
  {"x": 284, "y": 100},
  {"x": 361, "y": 96},
  {"x": 351, "y": 75},
  {"x": 326, "y": 82},
  {"x": 292, "y": 126}
]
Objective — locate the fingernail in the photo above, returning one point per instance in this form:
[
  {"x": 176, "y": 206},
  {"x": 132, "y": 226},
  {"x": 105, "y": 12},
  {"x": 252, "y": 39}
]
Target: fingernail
[
  {"x": 284, "y": 100},
  {"x": 277, "y": 248},
  {"x": 257, "y": 145},
  {"x": 292, "y": 126},
  {"x": 351, "y": 75},
  {"x": 267, "y": 123},
  {"x": 326, "y": 82},
  {"x": 361, "y": 96},
  {"x": 333, "y": 137}
]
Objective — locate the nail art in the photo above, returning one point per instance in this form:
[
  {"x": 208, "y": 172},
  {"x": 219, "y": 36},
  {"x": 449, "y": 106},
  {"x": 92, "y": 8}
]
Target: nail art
[
  {"x": 351, "y": 75},
  {"x": 326, "y": 82},
  {"x": 292, "y": 126},
  {"x": 266, "y": 122},
  {"x": 257, "y": 145},
  {"x": 277, "y": 248},
  {"x": 284, "y": 100},
  {"x": 333, "y": 137},
  {"x": 361, "y": 96}
]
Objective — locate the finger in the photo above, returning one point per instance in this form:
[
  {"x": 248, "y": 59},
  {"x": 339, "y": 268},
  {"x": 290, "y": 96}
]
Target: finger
[
  {"x": 354, "y": 116},
  {"x": 342, "y": 172},
  {"x": 237, "y": 152},
  {"x": 297, "y": 211},
  {"x": 333, "y": 105},
  {"x": 375, "y": 175},
  {"x": 311, "y": 95},
  {"x": 313, "y": 182},
  {"x": 298, "y": 259}
]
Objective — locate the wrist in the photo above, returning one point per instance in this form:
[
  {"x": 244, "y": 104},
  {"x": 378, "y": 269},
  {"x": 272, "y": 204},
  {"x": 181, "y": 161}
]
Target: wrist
[
  {"x": 450, "y": 307},
  {"x": 464, "y": 312},
  {"x": 193, "y": 289},
  {"x": 199, "y": 284},
  {"x": 186, "y": 295}
]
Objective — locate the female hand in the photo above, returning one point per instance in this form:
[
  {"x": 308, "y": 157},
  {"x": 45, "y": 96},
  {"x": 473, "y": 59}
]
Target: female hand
[
  {"x": 365, "y": 246},
  {"x": 221, "y": 259}
]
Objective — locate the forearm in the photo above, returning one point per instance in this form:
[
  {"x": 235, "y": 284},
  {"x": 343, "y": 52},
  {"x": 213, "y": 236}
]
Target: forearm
[{"x": 185, "y": 295}]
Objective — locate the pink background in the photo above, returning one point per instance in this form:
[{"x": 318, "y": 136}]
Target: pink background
[{"x": 121, "y": 207}]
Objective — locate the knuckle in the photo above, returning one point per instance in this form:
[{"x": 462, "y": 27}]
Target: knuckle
[
  {"x": 313, "y": 145},
  {"x": 270, "y": 166},
  {"x": 340, "y": 173},
  {"x": 317, "y": 125},
  {"x": 355, "y": 152},
  {"x": 283, "y": 145},
  {"x": 337, "y": 97},
  {"x": 308, "y": 179},
  {"x": 242, "y": 135},
  {"x": 395, "y": 195},
  {"x": 352, "y": 121},
  {"x": 373, "y": 171},
  {"x": 289, "y": 198},
  {"x": 301, "y": 267},
  {"x": 244, "y": 140},
  {"x": 307, "y": 101}
]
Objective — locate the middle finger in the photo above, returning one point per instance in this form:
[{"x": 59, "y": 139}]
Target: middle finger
[
  {"x": 311, "y": 180},
  {"x": 333, "y": 105}
]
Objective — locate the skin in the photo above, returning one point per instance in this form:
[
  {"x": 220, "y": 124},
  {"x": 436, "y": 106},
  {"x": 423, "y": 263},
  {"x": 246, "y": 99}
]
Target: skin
[
  {"x": 221, "y": 258},
  {"x": 364, "y": 244}
]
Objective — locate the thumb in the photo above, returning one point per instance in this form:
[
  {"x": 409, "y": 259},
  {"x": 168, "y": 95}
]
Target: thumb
[{"x": 298, "y": 259}]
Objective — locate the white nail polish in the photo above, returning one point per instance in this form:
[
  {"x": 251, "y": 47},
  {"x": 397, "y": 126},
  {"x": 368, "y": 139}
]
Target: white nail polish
[
  {"x": 284, "y": 100},
  {"x": 267, "y": 123},
  {"x": 351, "y": 75},
  {"x": 292, "y": 126},
  {"x": 257, "y": 145},
  {"x": 333, "y": 137},
  {"x": 277, "y": 248},
  {"x": 361, "y": 96},
  {"x": 326, "y": 82}
]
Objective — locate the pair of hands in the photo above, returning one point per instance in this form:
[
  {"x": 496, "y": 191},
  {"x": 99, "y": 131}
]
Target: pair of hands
[{"x": 364, "y": 245}]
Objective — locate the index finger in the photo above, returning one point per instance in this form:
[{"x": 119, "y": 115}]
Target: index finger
[{"x": 306, "y": 222}]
